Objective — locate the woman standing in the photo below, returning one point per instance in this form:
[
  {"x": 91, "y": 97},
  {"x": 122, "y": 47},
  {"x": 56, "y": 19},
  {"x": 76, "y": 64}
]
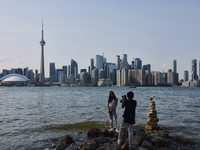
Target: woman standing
[{"x": 112, "y": 104}]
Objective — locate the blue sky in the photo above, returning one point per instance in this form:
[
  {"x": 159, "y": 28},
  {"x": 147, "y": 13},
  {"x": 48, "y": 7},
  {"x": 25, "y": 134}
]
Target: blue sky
[{"x": 154, "y": 31}]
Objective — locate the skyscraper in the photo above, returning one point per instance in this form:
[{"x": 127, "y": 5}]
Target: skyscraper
[
  {"x": 174, "y": 66},
  {"x": 185, "y": 76},
  {"x": 99, "y": 62},
  {"x": 65, "y": 68},
  {"x": 124, "y": 61},
  {"x": 117, "y": 62},
  {"x": 91, "y": 65},
  {"x": 199, "y": 69},
  {"x": 42, "y": 75},
  {"x": 52, "y": 73},
  {"x": 74, "y": 68},
  {"x": 137, "y": 63},
  {"x": 194, "y": 69}
]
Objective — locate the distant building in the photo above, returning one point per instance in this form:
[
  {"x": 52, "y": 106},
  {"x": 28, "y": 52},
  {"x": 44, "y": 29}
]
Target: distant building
[
  {"x": 83, "y": 78},
  {"x": 65, "y": 70},
  {"x": 102, "y": 74},
  {"x": 68, "y": 72},
  {"x": 26, "y": 72},
  {"x": 114, "y": 76},
  {"x": 52, "y": 72},
  {"x": 118, "y": 79},
  {"x": 117, "y": 62},
  {"x": 91, "y": 65},
  {"x": 146, "y": 67},
  {"x": 99, "y": 62},
  {"x": 59, "y": 73},
  {"x": 94, "y": 78},
  {"x": 105, "y": 82},
  {"x": 199, "y": 69},
  {"x": 194, "y": 70},
  {"x": 62, "y": 78},
  {"x": 170, "y": 77},
  {"x": 148, "y": 77},
  {"x": 124, "y": 61},
  {"x": 174, "y": 66},
  {"x": 137, "y": 63},
  {"x": 136, "y": 77},
  {"x": 185, "y": 76},
  {"x": 74, "y": 68},
  {"x": 71, "y": 80},
  {"x": 83, "y": 70},
  {"x": 124, "y": 77}
]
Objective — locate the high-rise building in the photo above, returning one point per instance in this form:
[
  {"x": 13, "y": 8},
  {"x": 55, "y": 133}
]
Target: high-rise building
[
  {"x": 199, "y": 69},
  {"x": 65, "y": 70},
  {"x": 94, "y": 78},
  {"x": 174, "y": 66},
  {"x": 170, "y": 77},
  {"x": 83, "y": 70},
  {"x": 102, "y": 74},
  {"x": 26, "y": 72},
  {"x": 74, "y": 68},
  {"x": 62, "y": 78},
  {"x": 5, "y": 72},
  {"x": 136, "y": 77},
  {"x": 124, "y": 61},
  {"x": 137, "y": 63},
  {"x": 42, "y": 75},
  {"x": 185, "y": 76},
  {"x": 117, "y": 62},
  {"x": 36, "y": 73},
  {"x": 91, "y": 65},
  {"x": 194, "y": 69},
  {"x": 52, "y": 73},
  {"x": 83, "y": 78},
  {"x": 68, "y": 72},
  {"x": 99, "y": 62},
  {"x": 59, "y": 73},
  {"x": 146, "y": 67},
  {"x": 124, "y": 77}
]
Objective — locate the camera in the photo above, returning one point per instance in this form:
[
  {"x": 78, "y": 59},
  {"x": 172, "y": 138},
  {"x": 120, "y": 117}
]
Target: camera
[{"x": 123, "y": 98}]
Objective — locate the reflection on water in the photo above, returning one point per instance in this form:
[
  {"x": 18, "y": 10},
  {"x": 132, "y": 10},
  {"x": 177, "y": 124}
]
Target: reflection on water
[{"x": 32, "y": 115}]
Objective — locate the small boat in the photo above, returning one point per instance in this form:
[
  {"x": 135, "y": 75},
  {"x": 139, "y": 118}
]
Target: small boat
[{"x": 132, "y": 86}]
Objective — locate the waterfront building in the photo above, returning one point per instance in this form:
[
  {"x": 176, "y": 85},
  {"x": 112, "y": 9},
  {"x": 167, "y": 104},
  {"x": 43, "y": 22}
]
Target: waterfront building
[
  {"x": 194, "y": 69},
  {"x": 71, "y": 80},
  {"x": 99, "y": 62},
  {"x": 14, "y": 79},
  {"x": 42, "y": 75},
  {"x": 117, "y": 62},
  {"x": 132, "y": 65},
  {"x": 13, "y": 71},
  {"x": 124, "y": 61},
  {"x": 170, "y": 77},
  {"x": 136, "y": 77},
  {"x": 185, "y": 76},
  {"x": 59, "y": 73},
  {"x": 105, "y": 82},
  {"x": 174, "y": 66},
  {"x": 74, "y": 68},
  {"x": 94, "y": 78},
  {"x": 36, "y": 73},
  {"x": 111, "y": 66},
  {"x": 137, "y": 63},
  {"x": 52, "y": 72},
  {"x": 124, "y": 77},
  {"x": 176, "y": 79},
  {"x": 114, "y": 76},
  {"x": 199, "y": 69},
  {"x": 118, "y": 74},
  {"x": 148, "y": 77},
  {"x": 91, "y": 65},
  {"x": 65, "y": 70},
  {"x": 83, "y": 78},
  {"x": 62, "y": 78}
]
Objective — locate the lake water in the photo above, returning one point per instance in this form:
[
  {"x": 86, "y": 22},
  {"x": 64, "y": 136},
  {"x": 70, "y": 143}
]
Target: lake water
[{"x": 31, "y": 116}]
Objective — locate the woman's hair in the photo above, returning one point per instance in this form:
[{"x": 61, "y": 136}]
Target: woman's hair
[{"x": 110, "y": 98}]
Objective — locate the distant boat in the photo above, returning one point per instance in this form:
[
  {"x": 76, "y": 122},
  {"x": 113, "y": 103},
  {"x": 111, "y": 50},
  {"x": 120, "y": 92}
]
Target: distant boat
[{"x": 132, "y": 86}]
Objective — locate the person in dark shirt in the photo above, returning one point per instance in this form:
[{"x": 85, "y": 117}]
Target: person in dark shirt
[{"x": 128, "y": 118}]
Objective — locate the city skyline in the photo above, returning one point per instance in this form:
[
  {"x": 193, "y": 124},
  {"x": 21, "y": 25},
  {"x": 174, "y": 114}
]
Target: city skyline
[{"x": 154, "y": 32}]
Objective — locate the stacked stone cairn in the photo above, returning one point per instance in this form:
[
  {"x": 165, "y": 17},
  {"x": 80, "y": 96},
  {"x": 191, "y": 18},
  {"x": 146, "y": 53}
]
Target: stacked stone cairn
[{"x": 152, "y": 116}]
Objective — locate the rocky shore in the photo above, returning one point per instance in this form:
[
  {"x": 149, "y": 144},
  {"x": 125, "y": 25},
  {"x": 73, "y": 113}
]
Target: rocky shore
[{"x": 104, "y": 140}]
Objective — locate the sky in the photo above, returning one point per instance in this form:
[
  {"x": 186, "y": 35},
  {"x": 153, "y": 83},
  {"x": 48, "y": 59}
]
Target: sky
[{"x": 154, "y": 31}]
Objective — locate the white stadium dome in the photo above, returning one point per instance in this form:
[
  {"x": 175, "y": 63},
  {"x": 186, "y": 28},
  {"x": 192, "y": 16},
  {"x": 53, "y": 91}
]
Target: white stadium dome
[{"x": 14, "y": 78}]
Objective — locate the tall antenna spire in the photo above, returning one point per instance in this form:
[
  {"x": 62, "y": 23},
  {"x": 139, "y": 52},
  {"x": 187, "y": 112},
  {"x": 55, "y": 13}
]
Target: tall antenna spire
[{"x": 42, "y": 23}]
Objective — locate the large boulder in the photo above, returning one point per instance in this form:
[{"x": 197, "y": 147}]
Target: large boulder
[
  {"x": 94, "y": 132},
  {"x": 92, "y": 144},
  {"x": 147, "y": 145}
]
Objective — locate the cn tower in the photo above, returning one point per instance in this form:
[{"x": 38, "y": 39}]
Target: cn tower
[{"x": 42, "y": 43}]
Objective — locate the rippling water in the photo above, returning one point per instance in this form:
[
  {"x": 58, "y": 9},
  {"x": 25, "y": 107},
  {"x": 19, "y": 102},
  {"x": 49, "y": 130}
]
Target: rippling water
[{"x": 30, "y": 116}]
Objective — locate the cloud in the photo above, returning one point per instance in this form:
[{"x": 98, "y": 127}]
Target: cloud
[
  {"x": 87, "y": 60},
  {"x": 5, "y": 58},
  {"x": 164, "y": 65}
]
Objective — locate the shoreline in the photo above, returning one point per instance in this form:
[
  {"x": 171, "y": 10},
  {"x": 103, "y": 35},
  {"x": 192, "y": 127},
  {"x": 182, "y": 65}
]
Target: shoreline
[{"x": 102, "y": 139}]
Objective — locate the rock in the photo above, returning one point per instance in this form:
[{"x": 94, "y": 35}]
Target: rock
[
  {"x": 101, "y": 148},
  {"x": 164, "y": 148},
  {"x": 62, "y": 146},
  {"x": 148, "y": 138},
  {"x": 112, "y": 147},
  {"x": 85, "y": 147},
  {"x": 113, "y": 140},
  {"x": 141, "y": 148},
  {"x": 71, "y": 148},
  {"x": 163, "y": 135},
  {"x": 183, "y": 148},
  {"x": 94, "y": 132},
  {"x": 141, "y": 134},
  {"x": 157, "y": 141},
  {"x": 167, "y": 142},
  {"x": 137, "y": 140},
  {"x": 105, "y": 133},
  {"x": 125, "y": 146},
  {"x": 92, "y": 144},
  {"x": 152, "y": 123},
  {"x": 147, "y": 145}
]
